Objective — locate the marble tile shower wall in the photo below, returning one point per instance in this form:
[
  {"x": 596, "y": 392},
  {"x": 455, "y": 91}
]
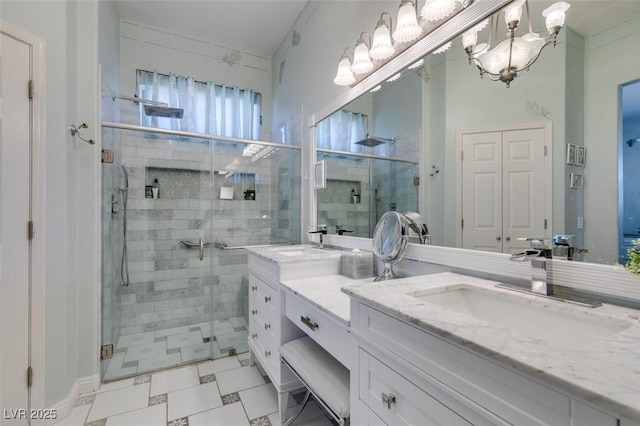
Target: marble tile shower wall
[
  {"x": 335, "y": 205},
  {"x": 394, "y": 180},
  {"x": 170, "y": 286}
]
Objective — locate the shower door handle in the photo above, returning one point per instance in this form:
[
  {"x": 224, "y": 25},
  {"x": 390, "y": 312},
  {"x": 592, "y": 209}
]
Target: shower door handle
[{"x": 201, "y": 249}]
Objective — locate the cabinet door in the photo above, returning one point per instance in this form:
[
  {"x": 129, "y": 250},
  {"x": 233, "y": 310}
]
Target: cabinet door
[
  {"x": 396, "y": 400},
  {"x": 583, "y": 415}
]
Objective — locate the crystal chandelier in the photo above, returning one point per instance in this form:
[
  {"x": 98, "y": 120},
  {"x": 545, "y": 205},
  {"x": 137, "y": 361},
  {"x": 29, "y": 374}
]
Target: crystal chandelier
[{"x": 515, "y": 54}]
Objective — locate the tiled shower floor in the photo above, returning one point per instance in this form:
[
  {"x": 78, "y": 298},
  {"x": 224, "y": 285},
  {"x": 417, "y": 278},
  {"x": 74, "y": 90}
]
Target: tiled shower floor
[{"x": 139, "y": 353}]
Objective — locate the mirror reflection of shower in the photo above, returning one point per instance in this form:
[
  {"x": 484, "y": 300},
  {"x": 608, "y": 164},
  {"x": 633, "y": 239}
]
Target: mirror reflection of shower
[
  {"x": 629, "y": 180},
  {"x": 124, "y": 261}
]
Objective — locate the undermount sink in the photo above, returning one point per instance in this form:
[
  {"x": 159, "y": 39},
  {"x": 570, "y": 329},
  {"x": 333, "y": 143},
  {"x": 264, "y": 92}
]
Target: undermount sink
[
  {"x": 299, "y": 250},
  {"x": 554, "y": 322}
]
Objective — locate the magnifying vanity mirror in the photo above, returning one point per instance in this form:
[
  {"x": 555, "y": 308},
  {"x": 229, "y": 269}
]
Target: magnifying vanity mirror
[{"x": 452, "y": 145}]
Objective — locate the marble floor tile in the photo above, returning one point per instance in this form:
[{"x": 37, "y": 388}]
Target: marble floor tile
[
  {"x": 238, "y": 322},
  {"x": 236, "y": 339},
  {"x": 185, "y": 402},
  {"x": 218, "y": 365},
  {"x": 231, "y": 414},
  {"x": 152, "y": 350},
  {"x": 77, "y": 417},
  {"x": 155, "y": 415},
  {"x": 167, "y": 361},
  {"x": 170, "y": 380},
  {"x": 238, "y": 380},
  {"x": 197, "y": 352},
  {"x": 169, "y": 331},
  {"x": 185, "y": 339},
  {"x": 259, "y": 401},
  {"x": 119, "y": 401},
  {"x": 135, "y": 340}
]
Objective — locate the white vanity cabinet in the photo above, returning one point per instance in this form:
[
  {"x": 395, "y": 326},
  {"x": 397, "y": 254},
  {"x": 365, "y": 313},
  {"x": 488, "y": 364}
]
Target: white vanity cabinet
[{"x": 409, "y": 376}]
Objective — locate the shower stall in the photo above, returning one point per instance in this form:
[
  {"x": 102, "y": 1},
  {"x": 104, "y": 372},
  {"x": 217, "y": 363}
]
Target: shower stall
[{"x": 178, "y": 210}]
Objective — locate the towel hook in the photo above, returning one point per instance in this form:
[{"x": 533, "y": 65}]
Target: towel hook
[{"x": 75, "y": 130}]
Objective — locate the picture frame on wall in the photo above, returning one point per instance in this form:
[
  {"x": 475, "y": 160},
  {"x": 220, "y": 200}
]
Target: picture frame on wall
[
  {"x": 576, "y": 180},
  {"x": 580, "y": 156},
  {"x": 571, "y": 154}
]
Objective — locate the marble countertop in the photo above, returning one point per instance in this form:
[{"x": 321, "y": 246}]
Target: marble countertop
[
  {"x": 294, "y": 253},
  {"x": 325, "y": 294},
  {"x": 605, "y": 373}
]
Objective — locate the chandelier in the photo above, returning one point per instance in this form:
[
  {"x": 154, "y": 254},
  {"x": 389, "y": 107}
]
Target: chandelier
[
  {"x": 515, "y": 54},
  {"x": 371, "y": 52}
]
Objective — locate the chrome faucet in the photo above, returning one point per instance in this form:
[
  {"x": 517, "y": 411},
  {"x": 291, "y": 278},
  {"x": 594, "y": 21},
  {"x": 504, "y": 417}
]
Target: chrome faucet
[
  {"x": 537, "y": 255},
  {"x": 321, "y": 230},
  {"x": 563, "y": 247}
]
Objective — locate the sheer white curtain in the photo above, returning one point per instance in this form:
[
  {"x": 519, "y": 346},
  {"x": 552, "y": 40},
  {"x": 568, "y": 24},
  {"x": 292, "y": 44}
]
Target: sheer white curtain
[
  {"x": 341, "y": 130},
  {"x": 208, "y": 107}
]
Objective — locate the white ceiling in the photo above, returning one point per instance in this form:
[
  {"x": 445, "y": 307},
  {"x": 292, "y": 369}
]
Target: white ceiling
[{"x": 254, "y": 26}]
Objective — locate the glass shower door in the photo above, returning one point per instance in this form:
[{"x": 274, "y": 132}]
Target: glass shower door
[{"x": 157, "y": 236}]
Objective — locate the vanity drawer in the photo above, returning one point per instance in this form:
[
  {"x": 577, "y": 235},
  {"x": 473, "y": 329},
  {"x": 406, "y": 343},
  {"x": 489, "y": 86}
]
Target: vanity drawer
[
  {"x": 484, "y": 382},
  {"x": 327, "y": 332},
  {"x": 266, "y": 352},
  {"x": 264, "y": 296},
  {"x": 396, "y": 400}
]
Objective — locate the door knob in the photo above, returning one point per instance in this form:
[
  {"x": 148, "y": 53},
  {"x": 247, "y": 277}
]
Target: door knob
[
  {"x": 508, "y": 238},
  {"x": 498, "y": 238}
]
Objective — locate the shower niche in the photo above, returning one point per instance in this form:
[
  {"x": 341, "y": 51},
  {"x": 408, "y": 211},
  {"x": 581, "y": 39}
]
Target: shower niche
[{"x": 196, "y": 184}]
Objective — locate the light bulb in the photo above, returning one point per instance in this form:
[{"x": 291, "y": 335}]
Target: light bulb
[
  {"x": 435, "y": 10},
  {"x": 382, "y": 48},
  {"x": 361, "y": 62},
  {"x": 555, "y": 15},
  {"x": 407, "y": 28},
  {"x": 512, "y": 13},
  {"x": 344, "y": 77}
]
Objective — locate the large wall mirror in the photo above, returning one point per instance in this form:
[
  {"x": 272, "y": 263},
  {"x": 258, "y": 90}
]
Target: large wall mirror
[{"x": 580, "y": 102}]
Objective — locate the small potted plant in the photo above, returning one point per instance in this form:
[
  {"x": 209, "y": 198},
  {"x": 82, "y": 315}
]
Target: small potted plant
[
  {"x": 250, "y": 194},
  {"x": 633, "y": 264}
]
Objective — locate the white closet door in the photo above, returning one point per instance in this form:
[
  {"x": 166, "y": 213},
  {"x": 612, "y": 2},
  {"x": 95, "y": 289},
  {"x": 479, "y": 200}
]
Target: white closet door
[
  {"x": 482, "y": 191},
  {"x": 15, "y": 167},
  {"x": 523, "y": 187},
  {"x": 503, "y": 189}
]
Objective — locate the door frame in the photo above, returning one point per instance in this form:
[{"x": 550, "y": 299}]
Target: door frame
[
  {"x": 548, "y": 167},
  {"x": 38, "y": 214}
]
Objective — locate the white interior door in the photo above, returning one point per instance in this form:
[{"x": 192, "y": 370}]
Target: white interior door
[
  {"x": 15, "y": 176},
  {"x": 523, "y": 176},
  {"x": 482, "y": 191},
  {"x": 503, "y": 189}
]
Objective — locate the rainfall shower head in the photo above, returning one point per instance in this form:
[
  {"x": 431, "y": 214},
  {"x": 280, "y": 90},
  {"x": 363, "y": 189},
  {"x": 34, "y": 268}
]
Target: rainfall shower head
[
  {"x": 372, "y": 141},
  {"x": 160, "y": 111}
]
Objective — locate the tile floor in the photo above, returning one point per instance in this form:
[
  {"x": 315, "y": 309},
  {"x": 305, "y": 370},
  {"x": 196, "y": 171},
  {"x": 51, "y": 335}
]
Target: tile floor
[
  {"x": 155, "y": 350},
  {"x": 222, "y": 392}
]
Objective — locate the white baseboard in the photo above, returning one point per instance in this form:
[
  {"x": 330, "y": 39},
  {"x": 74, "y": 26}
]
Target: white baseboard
[{"x": 81, "y": 386}]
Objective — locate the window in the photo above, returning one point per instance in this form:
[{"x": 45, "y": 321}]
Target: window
[{"x": 208, "y": 107}]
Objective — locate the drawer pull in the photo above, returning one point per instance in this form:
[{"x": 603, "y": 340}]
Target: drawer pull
[
  {"x": 254, "y": 288},
  {"x": 388, "y": 400},
  {"x": 254, "y": 335},
  {"x": 267, "y": 326},
  {"x": 254, "y": 311},
  {"x": 267, "y": 299},
  {"x": 267, "y": 354},
  {"x": 307, "y": 321}
]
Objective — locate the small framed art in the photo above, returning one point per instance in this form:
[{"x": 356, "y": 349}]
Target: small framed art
[
  {"x": 580, "y": 156},
  {"x": 576, "y": 181},
  {"x": 571, "y": 154}
]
